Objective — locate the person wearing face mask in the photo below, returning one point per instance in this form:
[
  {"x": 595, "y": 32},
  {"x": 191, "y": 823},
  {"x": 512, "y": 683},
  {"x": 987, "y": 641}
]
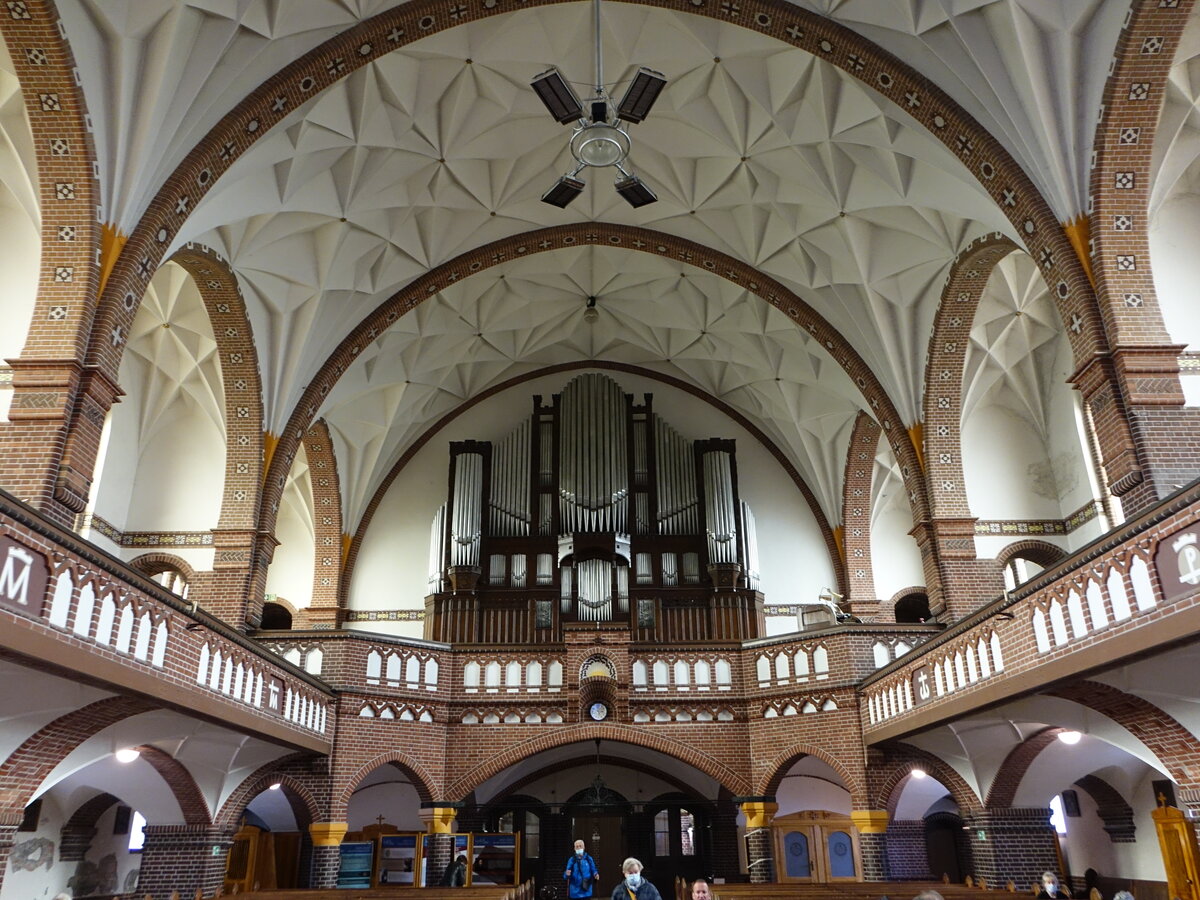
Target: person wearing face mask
[
  {"x": 1051, "y": 889},
  {"x": 634, "y": 886},
  {"x": 581, "y": 873}
]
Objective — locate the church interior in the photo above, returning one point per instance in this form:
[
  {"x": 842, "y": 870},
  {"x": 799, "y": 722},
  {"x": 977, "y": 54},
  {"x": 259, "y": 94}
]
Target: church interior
[{"x": 816, "y": 504}]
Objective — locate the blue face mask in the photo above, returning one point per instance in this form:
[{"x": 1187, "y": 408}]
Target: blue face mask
[{"x": 634, "y": 880}]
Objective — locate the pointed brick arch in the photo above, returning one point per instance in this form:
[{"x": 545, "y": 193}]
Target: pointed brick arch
[
  {"x": 1012, "y": 771},
  {"x": 1173, "y": 744},
  {"x": 944, "y": 372},
  {"x": 51, "y": 390},
  {"x": 678, "y": 383},
  {"x": 895, "y": 766},
  {"x": 27, "y": 767},
  {"x": 270, "y": 103},
  {"x": 422, "y": 780},
  {"x": 514, "y": 753},
  {"x": 327, "y": 527},
  {"x": 255, "y": 116},
  {"x": 1111, "y": 807},
  {"x": 288, "y": 772},
  {"x": 778, "y": 767},
  {"x": 240, "y": 382},
  {"x": 570, "y": 237},
  {"x": 236, "y": 538},
  {"x": 1139, "y": 379},
  {"x": 183, "y": 785},
  {"x": 856, "y": 515}
]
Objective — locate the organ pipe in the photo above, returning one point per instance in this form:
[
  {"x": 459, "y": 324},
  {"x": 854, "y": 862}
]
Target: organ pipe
[
  {"x": 594, "y": 479},
  {"x": 595, "y": 590},
  {"x": 468, "y": 490},
  {"x": 719, "y": 511},
  {"x": 750, "y": 547},
  {"x": 437, "y": 549},
  {"x": 509, "y": 501},
  {"x": 678, "y": 505}
]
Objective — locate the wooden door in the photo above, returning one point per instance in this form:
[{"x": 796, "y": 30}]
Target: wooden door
[
  {"x": 818, "y": 847},
  {"x": 1181, "y": 858}
]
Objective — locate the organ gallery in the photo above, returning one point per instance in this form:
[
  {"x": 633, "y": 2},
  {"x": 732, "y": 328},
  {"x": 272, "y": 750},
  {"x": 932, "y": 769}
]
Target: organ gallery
[{"x": 595, "y": 511}]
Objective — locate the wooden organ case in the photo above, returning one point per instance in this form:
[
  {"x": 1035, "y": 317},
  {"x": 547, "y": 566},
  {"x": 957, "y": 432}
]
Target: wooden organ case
[{"x": 593, "y": 513}]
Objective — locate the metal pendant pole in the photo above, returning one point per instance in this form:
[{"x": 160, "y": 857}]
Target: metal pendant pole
[{"x": 599, "y": 60}]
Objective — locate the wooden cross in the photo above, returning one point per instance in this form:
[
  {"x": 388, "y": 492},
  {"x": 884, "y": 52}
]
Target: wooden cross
[{"x": 379, "y": 819}]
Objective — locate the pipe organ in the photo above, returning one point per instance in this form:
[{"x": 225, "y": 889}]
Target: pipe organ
[{"x": 594, "y": 512}]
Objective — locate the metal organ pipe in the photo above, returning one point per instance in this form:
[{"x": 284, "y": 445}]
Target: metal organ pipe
[
  {"x": 675, "y": 481},
  {"x": 719, "y": 508},
  {"x": 468, "y": 487},
  {"x": 750, "y": 546},
  {"x": 509, "y": 503},
  {"x": 437, "y": 549},
  {"x": 594, "y": 486}
]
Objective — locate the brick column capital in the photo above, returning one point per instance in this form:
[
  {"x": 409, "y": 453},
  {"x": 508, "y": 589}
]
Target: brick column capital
[
  {"x": 870, "y": 821},
  {"x": 439, "y": 819},
  {"x": 327, "y": 834},
  {"x": 758, "y": 812}
]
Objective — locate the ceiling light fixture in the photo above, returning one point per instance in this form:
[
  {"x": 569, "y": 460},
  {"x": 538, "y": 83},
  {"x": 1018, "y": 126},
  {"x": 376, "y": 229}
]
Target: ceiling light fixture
[
  {"x": 1070, "y": 738},
  {"x": 919, "y": 773},
  {"x": 600, "y": 139},
  {"x": 127, "y": 755},
  {"x": 276, "y": 786}
]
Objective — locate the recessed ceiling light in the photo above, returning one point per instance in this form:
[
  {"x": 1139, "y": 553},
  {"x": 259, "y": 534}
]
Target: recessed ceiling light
[
  {"x": 919, "y": 773},
  {"x": 276, "y": 786},
  {"x": 1069, "y": 737},
  {"x": 127, "y": 755}
]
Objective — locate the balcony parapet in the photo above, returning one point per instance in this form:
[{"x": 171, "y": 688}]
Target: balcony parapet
[
  {"x": 73, "y": 607},
  {"x": 1102, "y": 605}
]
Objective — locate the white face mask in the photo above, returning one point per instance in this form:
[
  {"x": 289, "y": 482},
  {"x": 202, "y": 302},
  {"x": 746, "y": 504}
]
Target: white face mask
[
  {"x": 579, "y": 851},
  {"x": 1050, "y": 887},
  {"x": 633, "y": 879}
]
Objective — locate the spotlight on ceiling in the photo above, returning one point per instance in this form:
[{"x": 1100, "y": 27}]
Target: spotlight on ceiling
[
  {"x": 559, "y": 97},
  {"x": 643, "y": 91},
  {"x": 276, "y": 786},
  {"x": 1070, "y": 738},
  {"x": 127, "y": 755},
  {"x": 563, "y": 192},
  {"x": 635, "y": 192},
  {"x": 599, "y": 139},
  {"x": 590, "y": 313},
  {"x": 919, "y": 773}
]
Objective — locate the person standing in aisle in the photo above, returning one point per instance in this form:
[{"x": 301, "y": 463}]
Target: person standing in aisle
[{"x": 581, "y": 873}]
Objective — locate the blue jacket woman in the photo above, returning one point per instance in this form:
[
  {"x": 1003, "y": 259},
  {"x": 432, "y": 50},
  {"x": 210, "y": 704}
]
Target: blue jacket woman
[{"x": 581, "y": 873}]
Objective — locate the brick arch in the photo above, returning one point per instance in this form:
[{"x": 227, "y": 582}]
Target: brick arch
[
  {"x": 797, "y": 479},
  {"x": 1172, "y": 744},
  {"x": 856, "y": 514},
  {"x": 1140, "y": 378},
  {"x": 568, "y": 237},
  {"x": 238, "y": 358},
  {"x": 1043, "y": 553},
  {"x": 422, "y": 780},
  {"x": 778, "y": 767},
  {"x": 944, "y": 372},
  {"x": 271, "y": 102},
  {"x": 187, "y": 793},
  {"x": 517, "y": 786},
  {"x": 256, "y": 115},
  {"x": 1111, "y": 807},
  {"x": 327, "y": 527},
  {"x": 47, "y": 378},
  {"x": 151, "y": 564},
  {"x": 1011, "y": 772},
  {"x": 895, "y": 767},
  {"x": 29, "y": 765},
  {"x": 89, "y": 813},
  {"x": 624, "y": 734},
  {"x": 1121, "y": 173},
  {"x": 300, "y": 795}
]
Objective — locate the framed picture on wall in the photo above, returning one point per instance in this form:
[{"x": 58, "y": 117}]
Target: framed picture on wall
[{"x": 1070, "y": 804}]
